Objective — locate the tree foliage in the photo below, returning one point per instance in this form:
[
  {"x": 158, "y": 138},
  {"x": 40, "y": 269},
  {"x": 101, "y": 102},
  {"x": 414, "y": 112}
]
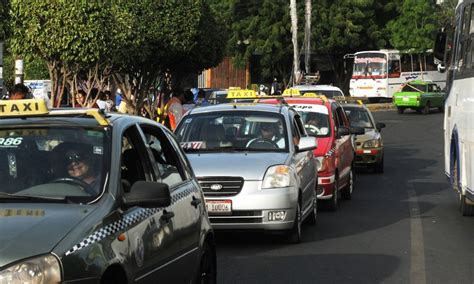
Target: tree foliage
[
  {"x": 86, "y": 43},
  {"x": 415, "y": 28}
]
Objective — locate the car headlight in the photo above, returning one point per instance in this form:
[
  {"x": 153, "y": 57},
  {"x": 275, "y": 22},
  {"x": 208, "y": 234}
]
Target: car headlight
[
  {"x": 43, "y": 269},
  {"x": 277, "y": 176},
  {"x": 375, "y": 143}
]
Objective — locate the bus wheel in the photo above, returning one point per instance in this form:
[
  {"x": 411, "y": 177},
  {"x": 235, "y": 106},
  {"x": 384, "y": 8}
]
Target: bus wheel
[{"x": 400, "y": 110}]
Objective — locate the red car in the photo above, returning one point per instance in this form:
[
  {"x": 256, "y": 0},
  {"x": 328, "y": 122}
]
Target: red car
[{"x": 326, "y": 120}]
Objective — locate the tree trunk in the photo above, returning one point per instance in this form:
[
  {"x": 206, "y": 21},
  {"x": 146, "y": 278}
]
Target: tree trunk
[
  {"x": 307, "y": 37},
  {"x": 294, "y": 36}
]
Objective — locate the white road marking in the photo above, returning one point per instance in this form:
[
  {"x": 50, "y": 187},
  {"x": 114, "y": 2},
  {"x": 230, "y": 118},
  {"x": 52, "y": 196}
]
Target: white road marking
[{"x": 417, "y": 248}]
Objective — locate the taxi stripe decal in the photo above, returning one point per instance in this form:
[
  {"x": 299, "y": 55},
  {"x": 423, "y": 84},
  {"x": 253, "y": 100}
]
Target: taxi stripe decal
[
  {"x": 331, "y": 152},
  {"x": 128, "y": 221}
]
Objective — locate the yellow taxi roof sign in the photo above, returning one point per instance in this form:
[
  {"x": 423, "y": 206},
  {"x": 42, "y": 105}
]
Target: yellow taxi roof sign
[
  {"x": 30, "y": 107},
  {"x": 291, "y": 92},
  {"x": 242, "y": 94}
]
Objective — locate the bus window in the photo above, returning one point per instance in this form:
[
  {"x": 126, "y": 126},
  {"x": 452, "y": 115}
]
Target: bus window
[
  {"x": 464, "y": 39},
  {"x": 430, "y": 65},
  {"x": 394, "y": 68},
  {"x": 469, "y": 53},
  {"x": 416, "y": 62},
  {"x": 406, "y": 63}
]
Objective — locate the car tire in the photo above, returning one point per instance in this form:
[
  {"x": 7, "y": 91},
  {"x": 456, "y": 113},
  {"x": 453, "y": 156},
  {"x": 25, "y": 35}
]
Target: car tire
[
  {"x": 346, "y": 192},
  {"x": 313, "y": 216},
  {"x": 332, "y": 203},
  {"x": 207, "y": 272},
  {"x": 400, "y": 110},
  {"x": 294, "y": 236},
  {"x": 378, "y": 167},
  {"x": 426, "y": 109}
]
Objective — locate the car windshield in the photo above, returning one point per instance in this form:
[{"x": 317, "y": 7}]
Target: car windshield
[
  {"x": 359, "y": 117},
  {"x": 316, "y": 119},
  {"x": 233, "y": 131},
  {"x": 414, "y": 88},
  {"x": 54, "y": 163},
  {"x": 327, "y": 93}
]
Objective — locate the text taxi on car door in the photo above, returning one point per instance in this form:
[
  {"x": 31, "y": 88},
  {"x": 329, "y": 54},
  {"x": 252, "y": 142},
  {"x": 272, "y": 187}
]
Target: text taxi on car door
[
  {"x": 254, "y": 163},
  {"x": 325, "y": 120},
  {"x": 88, "y": 197}
]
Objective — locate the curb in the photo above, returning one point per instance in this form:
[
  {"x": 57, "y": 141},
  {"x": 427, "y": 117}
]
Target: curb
[{"x": 381, "y": 106}]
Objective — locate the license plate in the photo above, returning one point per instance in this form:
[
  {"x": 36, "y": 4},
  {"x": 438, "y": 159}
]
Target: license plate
[
  {"x": 219, "y": 206},
  {"x": 405, "y": 99}
]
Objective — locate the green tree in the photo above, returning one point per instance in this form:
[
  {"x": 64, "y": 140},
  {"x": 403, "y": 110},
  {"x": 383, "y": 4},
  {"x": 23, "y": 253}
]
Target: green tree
[
  {"x": 414, "y": 30},
  {"x": 68, "y": 35}
]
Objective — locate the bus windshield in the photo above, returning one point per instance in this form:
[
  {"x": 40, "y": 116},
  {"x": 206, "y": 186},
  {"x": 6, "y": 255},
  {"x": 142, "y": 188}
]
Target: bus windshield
[{"x": 370, "y": 65}]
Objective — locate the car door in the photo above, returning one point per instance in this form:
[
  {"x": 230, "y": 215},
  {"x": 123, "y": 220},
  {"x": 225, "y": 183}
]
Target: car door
[
  {"x": 304, "y": 164},
  {"x": 150, "y": 235},
  {"x": 187, "y": 207},
  {"x": 344, "y": 147}
]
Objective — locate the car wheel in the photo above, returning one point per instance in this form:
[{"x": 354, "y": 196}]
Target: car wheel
[
  {"x": 426, "y": 108},
  {"x": 378, "y": 167},
  {"x": 207, "y": 266},
  {"x": 294, "y": 235},
  {"x": 346, "y": 192},
  {"x": 400, "y": 110},
  {"x": 332, "y": 203},
  {"x": 313, "y": 216}
]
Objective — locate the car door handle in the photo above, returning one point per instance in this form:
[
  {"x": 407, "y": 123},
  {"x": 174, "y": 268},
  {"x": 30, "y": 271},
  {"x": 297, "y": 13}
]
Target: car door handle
[
  {"x": 167, "y": 215},
  {"x": 196, "y": 202}
]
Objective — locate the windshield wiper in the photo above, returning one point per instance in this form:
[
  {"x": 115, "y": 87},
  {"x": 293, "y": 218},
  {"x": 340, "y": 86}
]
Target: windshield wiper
[{"x": 10, "y": 197}]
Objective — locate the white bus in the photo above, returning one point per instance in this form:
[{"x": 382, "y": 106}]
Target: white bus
[
  {"x": 459, "y": 106},
  {"x": 380, "y": 73}
]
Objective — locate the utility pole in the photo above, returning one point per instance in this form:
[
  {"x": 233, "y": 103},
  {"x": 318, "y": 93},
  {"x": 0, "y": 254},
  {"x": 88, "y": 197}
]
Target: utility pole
[
  {"x": 294, "y": 32},
  {"x": 307, "y": 37}
]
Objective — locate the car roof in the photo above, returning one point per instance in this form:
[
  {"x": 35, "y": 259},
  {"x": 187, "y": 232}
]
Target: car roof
[
  {"x": 263, "y": 107},
  {"x": 317, "y": 87},
  {"x": 355, "y": 106}
]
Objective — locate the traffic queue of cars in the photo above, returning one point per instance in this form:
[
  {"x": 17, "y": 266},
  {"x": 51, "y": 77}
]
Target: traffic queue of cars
[
  {"x": 89, "y": 197},
  {"x": 265, "y": 163}
]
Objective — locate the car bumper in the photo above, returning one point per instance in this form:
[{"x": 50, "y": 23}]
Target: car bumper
[
  {"x": 368, "y": 156},
  {"x": 325, "y": 186},
  {"x": 252, "y": 206}
]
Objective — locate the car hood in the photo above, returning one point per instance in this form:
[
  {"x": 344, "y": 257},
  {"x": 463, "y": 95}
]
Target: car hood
[
  {"x": 370, "y": 134},
  {"x": 33, "y": 229},
  {"x": 324, "y": 145},
  {"x": 250, "y": 166}
]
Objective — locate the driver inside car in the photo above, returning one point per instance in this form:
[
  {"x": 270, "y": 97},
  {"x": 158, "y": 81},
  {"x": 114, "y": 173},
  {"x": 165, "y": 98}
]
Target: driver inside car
[
  {"x": 315, "y": 124},
  {"x": 269, "y": 132},
  {"x": 79, "y": 163}
]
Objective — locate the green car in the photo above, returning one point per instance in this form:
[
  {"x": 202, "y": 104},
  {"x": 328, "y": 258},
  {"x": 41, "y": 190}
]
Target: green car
[{"x": 420, "y": 96}]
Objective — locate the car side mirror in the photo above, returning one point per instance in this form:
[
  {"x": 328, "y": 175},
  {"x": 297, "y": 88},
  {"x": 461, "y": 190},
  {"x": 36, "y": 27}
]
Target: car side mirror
[
  {"x": 148, "y": 194},
  {"x": 379, "y": 126},
  {"x": 357, "y": 130},
  {"x": 307, "y": 144},
  {"x": 342, "y": 131}
]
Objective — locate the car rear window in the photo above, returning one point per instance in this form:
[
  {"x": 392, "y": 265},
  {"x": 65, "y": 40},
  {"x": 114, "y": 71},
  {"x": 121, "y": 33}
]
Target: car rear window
[{"x": 414, "y": 88}]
